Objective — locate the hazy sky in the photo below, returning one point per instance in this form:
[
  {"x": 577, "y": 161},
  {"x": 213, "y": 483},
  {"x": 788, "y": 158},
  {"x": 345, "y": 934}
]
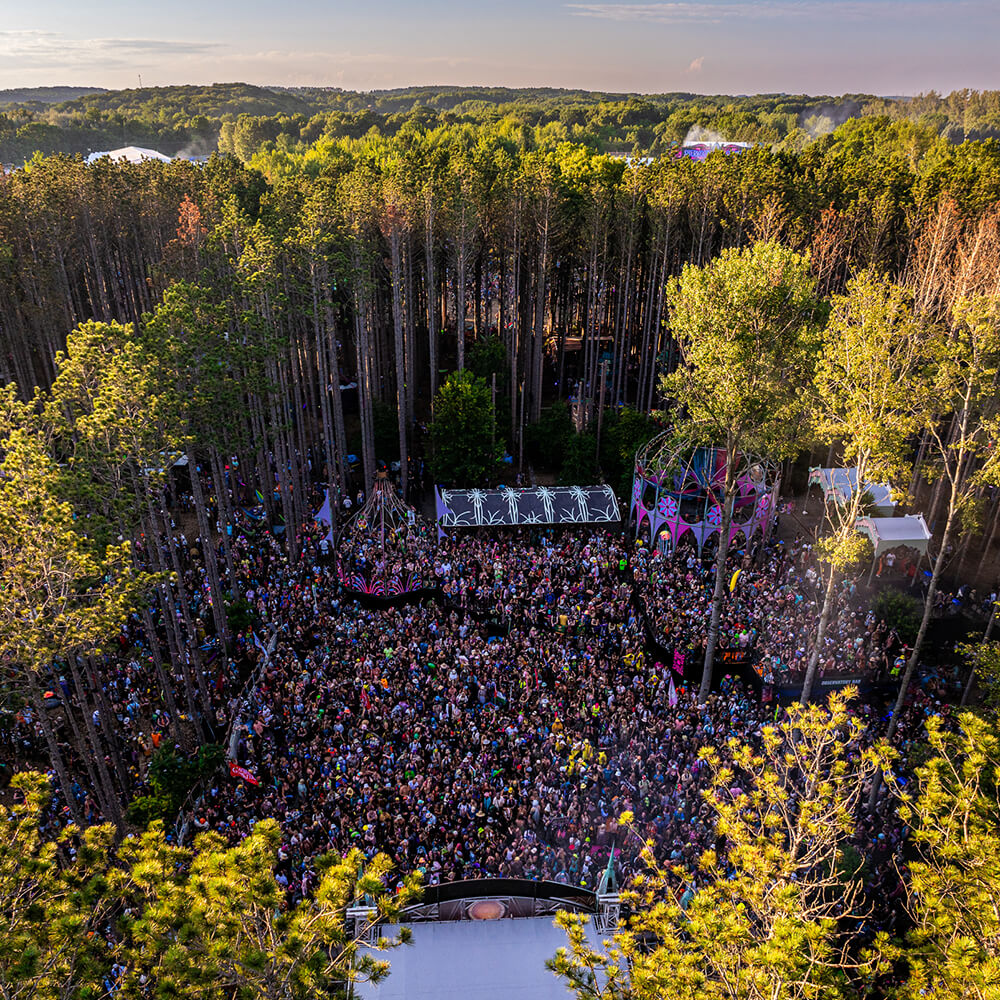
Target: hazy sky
[{"x": 709, "y": 46}]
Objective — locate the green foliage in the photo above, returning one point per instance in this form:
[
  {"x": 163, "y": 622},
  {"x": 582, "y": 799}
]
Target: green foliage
[
  {"x": 243, "y": 120},
  {"x": 241, "y": 615},
  {"x": 464, "y": 450},
  {"x": 954, "y": 819},
  {"x": 65, "y": 591},
  {"x": 546, "y": 440},
  {"x": 52, "y": 905},
  {"x": 624, "y": 433},
  {"x": 985, "y": 660},
  {"x": 746, "y": 325},
  {"x": 171, "y": 776},
  {"x": 762, "y": 918},
  {"x": 900, "y": 611},
  {"x": 488, "y": 357},
  {"x": 579, "y": 464},
  {"x": 210, "y": 921}
]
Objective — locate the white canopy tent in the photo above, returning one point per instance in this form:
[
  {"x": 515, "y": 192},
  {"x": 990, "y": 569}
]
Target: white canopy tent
[
  {"x": 887, "y": 533},
  {"x": 839, "y": 485},
  {"x": 133, "y": 154}
]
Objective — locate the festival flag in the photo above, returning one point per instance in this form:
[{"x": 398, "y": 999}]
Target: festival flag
[
  {"x": 236, "y": 771},
  {"x": 672, "y": 694},
  {"x": 678, "y": 662}
]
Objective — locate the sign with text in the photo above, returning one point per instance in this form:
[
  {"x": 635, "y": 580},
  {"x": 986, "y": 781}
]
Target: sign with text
[{"x": 237, "y": 771}]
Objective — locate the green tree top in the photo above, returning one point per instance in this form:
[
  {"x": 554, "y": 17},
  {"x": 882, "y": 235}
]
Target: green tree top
[
  {"x": 954, "y": 817},
  {"x": 760, "y": 918},
  {"x": 747, "y": 328},
  {"x": 464, "y": 448}
]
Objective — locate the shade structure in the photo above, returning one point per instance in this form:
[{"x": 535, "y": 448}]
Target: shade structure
[
  {"x": 887, "y": 533},
  {"x": 538, "y": 505},
  {"x": 839, "y": 485}
]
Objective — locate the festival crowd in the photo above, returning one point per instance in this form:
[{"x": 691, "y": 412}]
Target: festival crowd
[{"x": 502, "y": 727}]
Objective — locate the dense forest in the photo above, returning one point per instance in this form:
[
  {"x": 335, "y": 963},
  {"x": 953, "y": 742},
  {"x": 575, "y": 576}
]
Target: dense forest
[
  {"x": 539, "y": 262},
  {"x": 238, "y": 118},
  {"x": 192, "y": 354}
]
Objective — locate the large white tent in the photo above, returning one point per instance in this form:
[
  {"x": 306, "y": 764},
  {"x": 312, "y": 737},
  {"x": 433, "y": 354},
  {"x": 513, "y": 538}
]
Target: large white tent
[
  {"x": 839, "y": 485},
  {"x": 133, "y": 154},
  {"x": 887, "y": 533}
]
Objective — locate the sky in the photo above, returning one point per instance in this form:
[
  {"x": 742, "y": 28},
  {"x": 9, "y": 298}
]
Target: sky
[{"x": 889, "y": 47}]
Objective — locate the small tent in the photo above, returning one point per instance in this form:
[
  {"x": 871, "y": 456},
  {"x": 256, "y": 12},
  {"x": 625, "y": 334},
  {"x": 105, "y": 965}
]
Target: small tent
[
  {"x": 887, "y": 533},
  {"x": 133, "y": 154},
  {"x": 839, "y": 485}
]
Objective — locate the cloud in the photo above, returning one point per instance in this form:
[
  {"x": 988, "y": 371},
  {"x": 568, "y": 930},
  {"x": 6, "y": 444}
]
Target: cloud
[
  {"x": 50, "y": 50},
  {"x": 709, "y": 12},
  {"x": 695, "y": 66},
  {"x": 351, "y": 58},
  {"x": 37, "y": 56}
]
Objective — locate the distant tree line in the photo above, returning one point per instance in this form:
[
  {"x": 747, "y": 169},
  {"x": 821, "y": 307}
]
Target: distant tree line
[{"x": 238, "y": 118}]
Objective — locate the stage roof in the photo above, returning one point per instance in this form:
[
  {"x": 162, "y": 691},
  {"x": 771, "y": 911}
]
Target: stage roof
[
  {"x": 538, "y": 505},
  {"x": 475, "y": 960},
  {"x": 887, "y": 533}
]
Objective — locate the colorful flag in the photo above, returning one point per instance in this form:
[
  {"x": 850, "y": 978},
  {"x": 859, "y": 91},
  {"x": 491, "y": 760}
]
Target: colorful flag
[
  {"x": 241, "y": 772},
  {"x": 672, "y": 694}
]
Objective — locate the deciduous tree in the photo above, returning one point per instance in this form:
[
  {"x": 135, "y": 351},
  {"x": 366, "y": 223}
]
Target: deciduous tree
[
  {"x": 746, "y": 327},
  {"x": 769, "y": 916}
]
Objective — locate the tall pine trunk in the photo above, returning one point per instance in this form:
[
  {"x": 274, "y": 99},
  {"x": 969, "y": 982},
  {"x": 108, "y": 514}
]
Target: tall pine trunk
[{"x": 718, "y": 593}]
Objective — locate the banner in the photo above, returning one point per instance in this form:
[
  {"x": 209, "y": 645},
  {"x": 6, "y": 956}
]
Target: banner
[{"x": 236, "y": 771}]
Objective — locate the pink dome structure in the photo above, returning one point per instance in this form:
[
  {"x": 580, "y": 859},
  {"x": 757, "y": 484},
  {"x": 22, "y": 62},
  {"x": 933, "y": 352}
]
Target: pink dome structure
[{"x": 678, "y": 492}]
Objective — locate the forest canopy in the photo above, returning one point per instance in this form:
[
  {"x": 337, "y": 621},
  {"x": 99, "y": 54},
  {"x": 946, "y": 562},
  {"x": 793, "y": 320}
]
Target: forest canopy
[{"x": 238, "y": 117}]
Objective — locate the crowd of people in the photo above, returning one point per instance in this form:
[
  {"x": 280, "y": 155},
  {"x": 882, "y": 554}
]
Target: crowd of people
[
  {"x": 773, "y": 603},
  {"x": 497, "y": 728}
]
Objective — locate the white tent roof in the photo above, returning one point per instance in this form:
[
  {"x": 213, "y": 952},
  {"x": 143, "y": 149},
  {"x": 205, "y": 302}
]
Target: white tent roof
[
  {"x": 134, "y": 154},
  {"x": 475, "y": 960},
  {"x": 887, "y": 533},
  {"x": 840, "y": 484}
]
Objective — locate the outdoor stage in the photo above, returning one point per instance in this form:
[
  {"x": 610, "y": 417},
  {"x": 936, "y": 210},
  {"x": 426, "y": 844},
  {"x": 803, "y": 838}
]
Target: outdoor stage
[{"x": 475, "y": 959}]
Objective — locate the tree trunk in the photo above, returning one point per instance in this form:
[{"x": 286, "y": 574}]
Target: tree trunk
[
  {"x": 397, "y": 329},
  {"x": 208, "y": 552},
  {"x": 460, "y": 308},
  {"x": 55, "y": 753},
  {"x": 824, "y": 620},
  {"x": 718, "y": 593},
  {"x": 432, "y": 320}
]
